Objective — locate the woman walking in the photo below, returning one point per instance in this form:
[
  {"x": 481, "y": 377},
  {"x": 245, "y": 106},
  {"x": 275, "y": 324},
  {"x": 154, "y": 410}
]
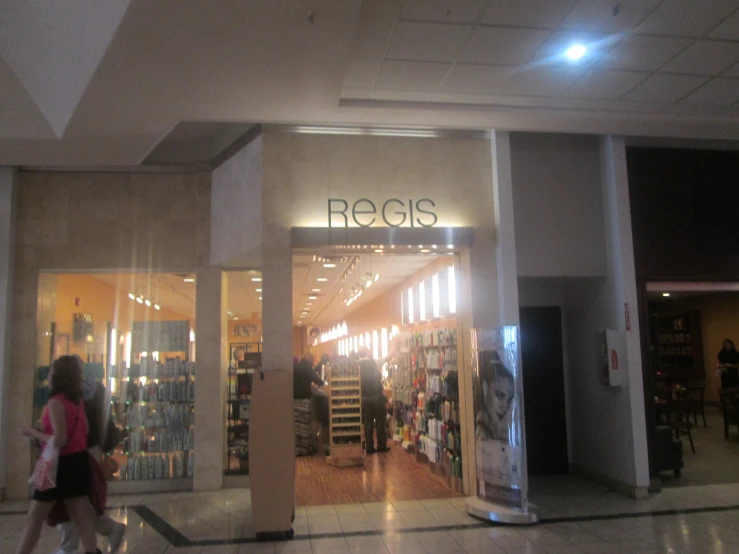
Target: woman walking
[{"x": 64, "y": 422}]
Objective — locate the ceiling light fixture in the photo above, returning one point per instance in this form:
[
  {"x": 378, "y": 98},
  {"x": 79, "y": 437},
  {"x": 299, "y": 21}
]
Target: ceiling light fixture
[
  {"x": 379, "y": 251},
  {"x": 132, "y": 296},
  {"x": 329, "y": 266},
  {"x": 312, "y": 297},
  {"x": 147, "y": 302},
  {"x": 258, "y": 290},
  {"x": 260, "y": 298},
  {"x": 189, "y": 279},
  {"x": 321, "y": 279},
  {"x": 576, "y": 52},
  {"x": 665, "y": 294},
  {"x": 425, "y": 251},
  {"x": 316, "y": 290},
  {"x": 140, "y": 299},
  {"x": 256, "y": 279},
  {"x": 157, "y": 307}
]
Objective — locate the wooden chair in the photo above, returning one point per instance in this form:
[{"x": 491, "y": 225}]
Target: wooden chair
[
  {"x": 729, "y": 400},
  {"x": 678, "y": 418},
  {"x": 695, "y": 397}
]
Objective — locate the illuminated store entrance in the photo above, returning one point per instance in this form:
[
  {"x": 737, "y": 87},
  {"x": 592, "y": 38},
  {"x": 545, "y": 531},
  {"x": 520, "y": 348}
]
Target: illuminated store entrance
[{"x": 390, "y": 434}]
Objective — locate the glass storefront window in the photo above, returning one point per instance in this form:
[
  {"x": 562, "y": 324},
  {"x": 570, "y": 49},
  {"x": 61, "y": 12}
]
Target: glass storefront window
[{"x": 135, "y": 333}]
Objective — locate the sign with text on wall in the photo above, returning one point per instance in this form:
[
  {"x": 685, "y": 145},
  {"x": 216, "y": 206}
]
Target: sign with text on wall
[{"x": 392, "y": 212}]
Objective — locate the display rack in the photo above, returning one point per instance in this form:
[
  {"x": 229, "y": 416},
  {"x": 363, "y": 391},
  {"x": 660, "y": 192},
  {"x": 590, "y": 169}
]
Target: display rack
[
  {"x": 678, "y": 350},
  {"x": 426, "y": 401},
  {"x": 240, "y": 374},
  {"x": 345, "y": 415},
  {"x": 158, "y": 415}
]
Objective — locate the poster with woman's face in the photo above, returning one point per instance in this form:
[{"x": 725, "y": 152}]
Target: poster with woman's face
[{"x": 499, "y": 440}]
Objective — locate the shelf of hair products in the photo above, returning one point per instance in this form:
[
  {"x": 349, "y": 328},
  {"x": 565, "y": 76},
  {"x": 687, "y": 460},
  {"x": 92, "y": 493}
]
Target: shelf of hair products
[
  {"x": 159, "y": 417},
  {"x": 426, "y": 399}
]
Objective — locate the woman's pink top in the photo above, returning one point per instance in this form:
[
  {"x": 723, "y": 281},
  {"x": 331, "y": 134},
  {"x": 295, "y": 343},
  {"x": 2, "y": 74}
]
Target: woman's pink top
[{"x": 76, "y": 425}]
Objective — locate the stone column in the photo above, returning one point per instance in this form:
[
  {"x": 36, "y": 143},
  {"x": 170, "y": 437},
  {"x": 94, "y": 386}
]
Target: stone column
[
  {"x": 211, "y": 373},
  {"x": 622, "y": 279},
  {"x": 8, "y": 178}
]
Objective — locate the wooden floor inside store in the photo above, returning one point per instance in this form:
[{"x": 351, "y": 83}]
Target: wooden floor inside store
[{"x": 387, "y": 477}]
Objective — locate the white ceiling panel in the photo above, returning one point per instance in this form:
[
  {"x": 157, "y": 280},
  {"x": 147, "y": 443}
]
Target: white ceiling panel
[
  {"x": 386, "y": 9},
  {"x": 361, "y": 73},
  {"x": 502, "y": 45},
  {"x": 479, "y": 79},
  {"x": 646, "y": 108},
  {"x": 400, "y": 75},
  {"x": 544, "y": 81},
  {"x": 721, "y": 92},
  {"x": 552, "y": 52},
  {"x": 692, "y": 110},
  {"x": 705, "y": 57},
  {"x": 609, "y": 17},
  {"x": 665, "y": 88},
  {"x": 371, "y": 37},
  {"x": 644, "y": 53},
  {"x": 456, "y": 11},
  {"x": 528, "y": 13},
  {"x": 605, "y": 83},
  {"x": 427, "y": 41},
  {"x": 692, "y": 18},
  {"x": 728, "y": 30}
]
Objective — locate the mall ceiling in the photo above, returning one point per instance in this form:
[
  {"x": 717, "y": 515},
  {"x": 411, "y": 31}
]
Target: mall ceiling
[{"x": 103, "y": 83}]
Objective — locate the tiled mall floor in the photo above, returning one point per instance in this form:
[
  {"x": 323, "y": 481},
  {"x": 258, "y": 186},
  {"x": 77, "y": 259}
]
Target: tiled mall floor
[{"x": 579, "y": 517}]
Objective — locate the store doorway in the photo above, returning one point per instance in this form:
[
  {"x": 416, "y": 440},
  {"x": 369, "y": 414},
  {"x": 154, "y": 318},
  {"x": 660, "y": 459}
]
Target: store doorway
[
  {"x": 398, "y": 307},
  {"x": 694, "y": 384},
  {"x": 544, "y": 390}
]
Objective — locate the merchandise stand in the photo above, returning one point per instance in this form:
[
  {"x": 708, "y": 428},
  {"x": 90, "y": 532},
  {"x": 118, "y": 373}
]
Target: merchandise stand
[
  {"x": 345, "y": 415},
  {"x": 272, "y": 463}
]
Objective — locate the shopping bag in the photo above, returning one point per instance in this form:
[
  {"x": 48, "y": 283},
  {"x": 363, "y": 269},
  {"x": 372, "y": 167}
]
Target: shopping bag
[{"x": 44, "y": 474}]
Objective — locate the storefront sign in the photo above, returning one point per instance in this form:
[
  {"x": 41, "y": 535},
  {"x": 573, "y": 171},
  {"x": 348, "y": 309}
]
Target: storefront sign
[
  {"x": 392, "y": 212},
  {"x": 499, "y": 438}
]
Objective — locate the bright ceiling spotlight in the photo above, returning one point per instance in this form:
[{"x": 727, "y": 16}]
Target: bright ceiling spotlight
[
  {"x": 329, "y": 265},
  {"x": 665, "y": 294},
  {"x": 576, "y": 52}
]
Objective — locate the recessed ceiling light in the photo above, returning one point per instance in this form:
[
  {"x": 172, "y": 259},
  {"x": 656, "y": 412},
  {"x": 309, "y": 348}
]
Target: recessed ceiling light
[
  {"x": 189, "y": 279},
  {"x": 329, "y": 266},
  {"x": 321, "y": 279},
  {"x": 260, "y": 298},
  {"x": 425, "y": 251},
  {"x": 312, "y": 297},
  {"x": 379, "y": 251},
  {"x": 258, "y": 290},
  {"x": 665, "y": 294},
  {"x": 316, "y": 290},
  {"x": 256, "y": 279},
  {"x": 575, "y": 52}
]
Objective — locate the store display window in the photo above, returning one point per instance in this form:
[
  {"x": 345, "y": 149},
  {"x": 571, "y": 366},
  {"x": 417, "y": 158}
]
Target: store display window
[
  {"x": 244, "y": 330},
  {"x": 135, "y": 333}
]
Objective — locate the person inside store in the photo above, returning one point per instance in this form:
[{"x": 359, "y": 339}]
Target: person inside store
[
  {"x": 374, "y": 402},
  {"x": 65, "y": 423},
  {"x": 102, "y": 436},
  {"x": 728, "y": 364},
  {"x": 498, "y": 391},
  {"x": 319, "y": 402},
  {"x": 306, "y": 383}
]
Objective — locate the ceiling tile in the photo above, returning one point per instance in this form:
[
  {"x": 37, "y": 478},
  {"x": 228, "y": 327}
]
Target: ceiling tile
[
  {"x": 644, "y": 53},
  {"x": 597, "y": 15},
  {"x": 427, "y": 41},
  {"x": 637, "y": 107},
  {"x": 527, "y": 13},
  {"x": 456, "y": 11},
  {"x": 502, "y": 45},
  {"x": 479, "y": 79},
  {"x": 665, "y": 88},
  {"x": 553, "y": 50},
  {"x": 705, "y": 57},
  {"x": 722, "y": 92},
  {"x": 733, "y": 72},
  {"x": 692, "y": 18},
  {"x": 605, "y": 83},
  {"x": 361, "y": 73},
  {"x": 399, "y": 75},
  {"x": 728, "y": 30},
  {"x": 386, "y": 9},
  {"x": 370, "y": 37},
  {"x": 543, "y": 81},
  {"x": 699, "y": 110}
]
